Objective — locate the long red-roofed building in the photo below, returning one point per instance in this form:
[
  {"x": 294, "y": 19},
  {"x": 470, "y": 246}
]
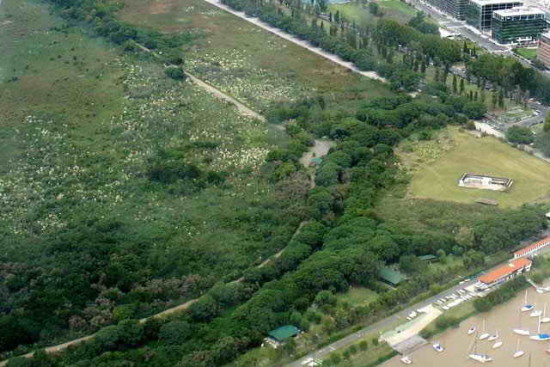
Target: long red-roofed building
[
  {"x": 506, "y": 272},
  {"x": 532, "y": 249}
]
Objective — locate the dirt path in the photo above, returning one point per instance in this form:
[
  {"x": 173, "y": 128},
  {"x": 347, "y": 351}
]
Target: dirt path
[
  {"x": 243, "y": 110},
  {"x": 336, "y": 59}
]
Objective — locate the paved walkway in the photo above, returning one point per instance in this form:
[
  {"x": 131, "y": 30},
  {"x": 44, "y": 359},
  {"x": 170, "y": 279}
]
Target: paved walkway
[{"x": 335, "y": 59}]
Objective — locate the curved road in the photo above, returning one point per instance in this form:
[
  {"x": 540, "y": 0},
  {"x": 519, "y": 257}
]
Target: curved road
[{"x": 335, "y": 59}]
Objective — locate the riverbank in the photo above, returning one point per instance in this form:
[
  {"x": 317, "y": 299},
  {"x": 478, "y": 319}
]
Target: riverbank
[{"x": 502, "y": 320}]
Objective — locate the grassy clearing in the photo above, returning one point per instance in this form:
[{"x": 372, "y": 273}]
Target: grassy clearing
[
  {"x": 437, "y": 165},
  {"x": 528, "y": 53},
  {"x": 244, "y": 60},
  {"x": 391, "y": 9},
  {"x": 357, "y": 296}
]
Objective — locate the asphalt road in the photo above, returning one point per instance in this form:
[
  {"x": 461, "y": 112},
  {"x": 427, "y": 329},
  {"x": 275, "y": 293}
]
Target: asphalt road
[
  {"x": 332, "y": 57},
  {"x": 376, "y": 327}
]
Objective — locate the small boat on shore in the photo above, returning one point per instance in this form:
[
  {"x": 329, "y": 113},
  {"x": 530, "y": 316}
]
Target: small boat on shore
[
  {"x": 406, "y": 360},
  {"x": 493, "y": 337},
  {"x": 497, "y": 344},
  {"x": 472, "y": 330}
]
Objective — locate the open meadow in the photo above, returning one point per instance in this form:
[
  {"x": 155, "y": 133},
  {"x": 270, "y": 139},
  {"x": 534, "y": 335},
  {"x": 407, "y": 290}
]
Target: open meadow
[
  {"x": 244, "y": 60},
  {"x": 437, "y": 165}
]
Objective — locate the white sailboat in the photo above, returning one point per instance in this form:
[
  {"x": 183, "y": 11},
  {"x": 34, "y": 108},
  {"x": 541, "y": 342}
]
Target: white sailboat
[
  {"x": 535, "y": 313},
  {"x": 406, "y": 360},
  {"x": 498, "y": 344},
  {"x": 544, "y": 318},
  {"x": 518, "y": 353},
  {"x": 493, "y": 337},
  {"x": 540, "y": 336},
  {"x": 526, "y": 306},
  {"x": 438, "y": 347},
  {"x": 478, "y": 357},
  {"x": 472, "y": 330},
  {"x": 485, "y": 334},
  {"x": 519, "y": 330}
]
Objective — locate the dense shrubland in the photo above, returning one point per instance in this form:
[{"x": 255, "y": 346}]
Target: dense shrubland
[{"x": 343, "y": 244}]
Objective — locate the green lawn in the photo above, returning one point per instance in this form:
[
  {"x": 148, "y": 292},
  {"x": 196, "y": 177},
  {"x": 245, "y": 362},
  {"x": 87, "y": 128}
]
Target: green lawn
[
  {"x": 437, "y": 166},
  {"x": 357, "y": 296},
  {"x": 244, "y": 60},
  {"x": 528, "y": 53},
  {"x": 391, "y": 9}
]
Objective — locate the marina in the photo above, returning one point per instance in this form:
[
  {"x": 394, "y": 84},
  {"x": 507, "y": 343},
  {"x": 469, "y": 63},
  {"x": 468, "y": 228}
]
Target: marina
[{"x": 495, "y": 339}]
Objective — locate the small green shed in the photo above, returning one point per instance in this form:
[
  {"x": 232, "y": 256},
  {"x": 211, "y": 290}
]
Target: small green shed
[
  {"x": 391, "y": 276},
  {"x": 284, "y": 333}
]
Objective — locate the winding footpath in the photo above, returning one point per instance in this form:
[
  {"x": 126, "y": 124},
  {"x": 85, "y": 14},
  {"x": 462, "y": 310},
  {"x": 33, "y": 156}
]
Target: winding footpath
[
  {"x": 244, "y": 110},
  {"x": 327, "y": 55}
]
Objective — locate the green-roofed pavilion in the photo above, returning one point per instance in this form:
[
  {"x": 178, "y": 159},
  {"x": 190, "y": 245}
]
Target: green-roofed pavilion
[
  {"x": 284, "y": 333},
  {"x": 391, "y": 276}
]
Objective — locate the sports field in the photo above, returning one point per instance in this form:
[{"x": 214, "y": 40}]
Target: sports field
[{"x": 438, "y": 164}]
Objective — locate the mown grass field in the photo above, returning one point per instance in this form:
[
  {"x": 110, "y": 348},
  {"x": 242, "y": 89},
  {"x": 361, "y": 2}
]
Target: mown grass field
[
  {"x": 437, "y": 166},
  {"x": 244, "y": 60}
]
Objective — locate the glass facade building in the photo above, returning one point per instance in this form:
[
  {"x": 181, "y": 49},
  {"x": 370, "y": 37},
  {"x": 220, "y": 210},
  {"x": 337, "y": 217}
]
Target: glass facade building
[
  {"x": 543, "y": 51},
  {"x": 454, "y": 8},
  {"x": 479, "y": 13},
  {"x": 518, "y": 25}
]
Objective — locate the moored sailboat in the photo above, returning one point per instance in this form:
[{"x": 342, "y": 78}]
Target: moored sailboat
[
  {"x": 494, "y": 336},
  {"x": 484, "y": 335},
  {"x": 544, "y": 318},
  {"x": 526, "y": 306},
  {"x": 519, "y": 330},
  {"x": 540, "y": 336},
  {"x": 498, "y": 344},
  {"x": 472, "y": 330},
  {"x": 478, "y": 357},
  {"x": 518, "y": 353},
  {"x": 438, "y": 347}
]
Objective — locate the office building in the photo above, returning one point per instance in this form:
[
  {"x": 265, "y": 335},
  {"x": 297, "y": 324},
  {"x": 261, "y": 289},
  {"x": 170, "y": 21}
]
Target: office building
[
  {"x": 518, "y": 25},
  {"x": 543, "y": 52},
  {"x": 479, "y": 13},
  {"x": 455, "y": 8}
]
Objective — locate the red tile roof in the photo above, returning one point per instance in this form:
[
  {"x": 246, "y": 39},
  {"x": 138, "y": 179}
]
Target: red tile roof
[
  {"x": 532, "y": 246},
  {"x": 504, "y": 270}
]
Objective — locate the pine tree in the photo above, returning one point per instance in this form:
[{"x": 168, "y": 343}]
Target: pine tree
[
  {"x": 475, "y": 95},
  {"x": 455, "y": 88},
  {"x": 461, "y": 88},
  {"x": 493, "y": 99},
  {"x": 501, "y": 99}
]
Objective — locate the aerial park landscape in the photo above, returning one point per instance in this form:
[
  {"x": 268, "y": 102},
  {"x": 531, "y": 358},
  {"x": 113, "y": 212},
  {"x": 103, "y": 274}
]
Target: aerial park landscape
[{"x": 273, "y": 183}]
